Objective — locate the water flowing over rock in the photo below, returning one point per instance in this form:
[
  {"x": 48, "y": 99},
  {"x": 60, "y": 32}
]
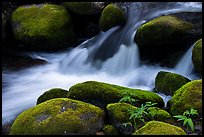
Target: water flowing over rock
[{"x": 110, "y": 57}]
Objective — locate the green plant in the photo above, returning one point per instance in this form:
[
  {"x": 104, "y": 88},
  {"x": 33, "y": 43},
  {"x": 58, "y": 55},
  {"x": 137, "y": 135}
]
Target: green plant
[
  {"x": 138, "y": 115},
  {"x": 128, "y": 99},
  {"x": 186, "y": 118}
]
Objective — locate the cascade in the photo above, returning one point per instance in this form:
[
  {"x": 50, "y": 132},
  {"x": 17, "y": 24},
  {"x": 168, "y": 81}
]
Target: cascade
[{"x": 110, "y": 57}]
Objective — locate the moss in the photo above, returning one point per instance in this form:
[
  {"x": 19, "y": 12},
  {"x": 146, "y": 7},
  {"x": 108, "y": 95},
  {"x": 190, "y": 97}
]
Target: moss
[
  {"x": 111, "y": 16},
  {"x": 187, "y": 97},
  {"x": 155, "y": 113},
  {"x": 119, "y": 112},
  {"x": 43, "y": 26},
  {"x": 197, "y": 56},
  {"x": 168, "y": 83},
  {"x": 110, "y": 130},
  {"x": 161, "y": 31},
  {"x": 82, "y": 8},
  {"x": 52, "y": 93},
  {"x": 159, "y": 128},
  {"x": 57, "y": 117},
  {"x": 101, "y": 94}
]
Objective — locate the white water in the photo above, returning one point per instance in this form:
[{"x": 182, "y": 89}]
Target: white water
[{"x": 110, "y": 57}]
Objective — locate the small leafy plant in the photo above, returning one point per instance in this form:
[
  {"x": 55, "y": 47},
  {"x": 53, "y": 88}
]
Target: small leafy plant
[
  {"x": 186, "y": 118},
  {"x": 138, "y": 115},
  {"x": 128, "y": 99}
]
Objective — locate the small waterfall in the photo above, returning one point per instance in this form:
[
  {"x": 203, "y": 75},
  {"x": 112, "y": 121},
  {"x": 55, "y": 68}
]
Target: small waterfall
[
  {"x": 110, "y": 57},
  {"x": 185, "y": 65}
]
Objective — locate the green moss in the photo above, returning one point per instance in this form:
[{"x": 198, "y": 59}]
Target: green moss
[
  {"x": 161, "y": 31},
  {"x": 159, "y": 128},
  {"x": 158, "y": 114},
  {"x": 187, "y": 97},
  {"x": 52, "y": 93},
  {"x": 197, "y": 55},
  {"x": 43, "y": 26},
  {"x": 119, "y": 113},
  {"x": 101, "y": 94},
  {"x": 168, "y": 83},
  {"x": 57, "y": 117},
  {"x": 83, "y": 8},
  {"x": 110, "y": 130},
  {"x": 111, "y": 16}
]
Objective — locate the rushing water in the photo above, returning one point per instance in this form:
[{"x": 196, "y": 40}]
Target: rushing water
[{"x": 110, "y": 57}]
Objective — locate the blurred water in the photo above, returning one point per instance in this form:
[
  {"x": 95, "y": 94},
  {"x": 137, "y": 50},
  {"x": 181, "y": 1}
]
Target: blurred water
[{"x": 110, "y": 57}]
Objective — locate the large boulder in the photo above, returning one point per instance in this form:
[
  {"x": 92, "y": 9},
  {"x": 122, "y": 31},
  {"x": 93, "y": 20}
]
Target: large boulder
[
  {"x": 167, "y": 82},
  {"x": 52, "y": 93},
  {"x": 163, "y": 37},
  {"x": 60, "y": 116},
  {"x": 159, "y": 128},
  {"x": 101, "y": 94},
  {"x": 197, "y": 56},
  {"x": 187, "y": 97},
  {"x": 111, "y": 16},
  {"x": 43, "y": 27},
  {"x": 119, "y": 114},
  {"x": 84, "y": 8}
]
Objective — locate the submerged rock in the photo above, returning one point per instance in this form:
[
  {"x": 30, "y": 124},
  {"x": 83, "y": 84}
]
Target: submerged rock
[
  {"x": 197, "y": 56},
  {"x": 111, "y": 16},
  {"x": 43, "y": 27},
  {"x": 167, "y": 82},
  {"x": 159, "y": 128},
  {"x": 52, "y": 93},
  {"x": 101, "y": 94},
  {"x": 187, "y": 97},
  {"x": 60, "y": 116}
]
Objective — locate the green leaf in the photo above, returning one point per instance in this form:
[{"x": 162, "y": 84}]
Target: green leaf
[
  {"x": 186, "y": 112},
  {"x": 190, "y": 123},
  {"x": 185, "y": 121},
  {"x": 193, "y": 111}
]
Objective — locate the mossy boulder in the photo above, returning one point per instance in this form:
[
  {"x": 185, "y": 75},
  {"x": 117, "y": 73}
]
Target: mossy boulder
[
  {"x": 168, "y": 82},
  {"x": 187, "y": 97},
  {"x": 43, "y": 27},
  {"x": 110, "y": 130},
  {"x": 158, "y": 114},
  {"x": 52, "y": 93},
  {"x": 111, "y": 16},
  {"x": 101, "y": 94},
  {"x": 161, "y": 37},
  {"x": 197, "y": 56},
  {"x": 84, "y": 8},
  {"x": 119, "y": 114},
  {"x": 60, "y": 116},
  {"x": 159, "y": 128}
]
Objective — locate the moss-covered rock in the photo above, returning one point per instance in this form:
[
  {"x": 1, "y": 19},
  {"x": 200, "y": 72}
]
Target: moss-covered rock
[
  {"x": 43, "y": 27},
  {"x": 187, "y": 97},
  {"x": 161, "y": 30},
  {"x": 110, "y": 130},
  {"x": 52, "y": 93},
  {"x": 197, "y": 55},
  {"x": 60, "y": 116},
  {"x": 119, "y": 114},
  {"x": 158, "y": 114},
  {"x": 161, "y": 37},
  {"x": 168, "y": 82},
  {"x": 111, "y": 16},
  {"x": 84, "y": 8},
  {"x": 101, "y": 94},
  {"x": 159, "y": 128}
]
